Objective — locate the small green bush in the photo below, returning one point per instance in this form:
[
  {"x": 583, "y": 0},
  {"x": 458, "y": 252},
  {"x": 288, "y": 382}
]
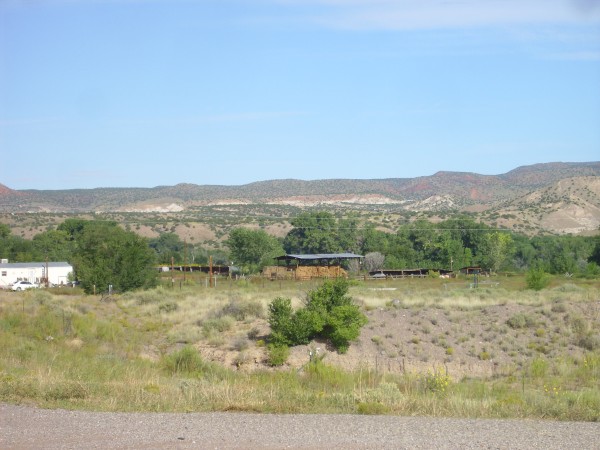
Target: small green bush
[
  {"x": 40, "y": 296},
  {"x": 484, "y": 355},
  {"x": 147, "y": 296},
  {"x": 377, "y": 340},
  {"x": 277, "y": 354},
  {"x": 538, "y": 368},
  {"x": 253, "y": 333},
  {"x": 537, "y": 279},
  {"x": 241, "y": 310},
  {"x": 579, "y": 325},
  {"x": 168, "y": 307},
  {"x": 540, "y": 332},
  {"x": 520, "y": 320},
  {"x": 589, "y": 341},
  {"x": 220, "y": 324},
  {"x": 12, "y": 321},
  {"x": 436, "y": 382},
  {"x": 280, "y": 320},
  {"x": 240, "y": 343}
]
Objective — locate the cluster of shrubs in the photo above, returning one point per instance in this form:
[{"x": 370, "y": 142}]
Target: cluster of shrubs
[{"x": 329, "y": 313}]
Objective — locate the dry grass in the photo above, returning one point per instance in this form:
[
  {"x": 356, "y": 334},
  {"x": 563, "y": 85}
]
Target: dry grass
[{"x": 430, "y": 347}]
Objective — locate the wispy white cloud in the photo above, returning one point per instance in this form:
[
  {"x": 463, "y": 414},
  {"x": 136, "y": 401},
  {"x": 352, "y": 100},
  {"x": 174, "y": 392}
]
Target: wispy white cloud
[
  {"x": 247, "y": 116},
  {"x": 250, "y": 116},
  {"x": 577, "y": 56},
  {"x": 389, "y": 14},
  {"x": 431, "y": 14},
  {"x": 5, "y": 123}
]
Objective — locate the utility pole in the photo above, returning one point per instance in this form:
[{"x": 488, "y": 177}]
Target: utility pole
[
  {"x": 172, "y": 273},
  {"x": 47, "y": 278},
  {"x": 184, "y": 258},
  {"x": 210, "y": 271}
]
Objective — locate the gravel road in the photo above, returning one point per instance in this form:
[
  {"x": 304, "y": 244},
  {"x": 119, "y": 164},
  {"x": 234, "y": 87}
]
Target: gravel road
[{"x": 24, "y": 427}]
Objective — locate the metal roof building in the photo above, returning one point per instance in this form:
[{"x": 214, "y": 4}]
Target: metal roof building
[
  {"x": 319, "y": 265},
  {"x": 35, "y": 272},
  {"x": 318, "y": 257}
]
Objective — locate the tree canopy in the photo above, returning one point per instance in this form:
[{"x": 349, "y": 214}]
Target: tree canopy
[
  {"x": 105, "y": 254},
  {"x": 252, "y": 248},
  {"x": 321, "y": 232}
]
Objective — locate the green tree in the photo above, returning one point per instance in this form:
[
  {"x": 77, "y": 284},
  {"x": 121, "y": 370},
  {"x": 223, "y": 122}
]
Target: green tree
[
  {"x": 4, "y": 231},
  {"x": 167, "y": 246},
  {"x": 467, "y": 231},
  {"x": 595, "y": 255},
  {"x": 251, "y": 248},
  {"x": 348, "y": 235},
  {"x": 108, "y": 255},
  {"x": 401, "y": 252},
  {"x": 16, "y": 249},
  {"x": 7, "y": 242},
  {"x": 424, "y": 239},
  {"x": 74, "y": 227},
  {"x": 315, "y": 232},
  {"x": 372, "y": 240},
  {"x": 53, "y": 245},
  {"x": 497, "y": 248}
]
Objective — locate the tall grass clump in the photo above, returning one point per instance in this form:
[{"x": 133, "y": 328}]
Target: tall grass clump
[
  {"x": 241, "y": 310},
  {"x": 217, "y": 324},
  {"x": 146, "y": 297},
  {"x": 187, "y": 360},
  {"x": 277, "y": 354}
]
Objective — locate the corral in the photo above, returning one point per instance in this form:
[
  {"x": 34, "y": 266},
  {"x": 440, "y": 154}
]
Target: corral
[
  {"x": 306, "y": 267},
  {"x": 409, "y": 273},
  {"x": 215, "y": 269}
]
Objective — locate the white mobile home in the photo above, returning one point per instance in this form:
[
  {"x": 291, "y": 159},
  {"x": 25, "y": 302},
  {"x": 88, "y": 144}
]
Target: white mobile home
[{"x": 35, "y": 272}]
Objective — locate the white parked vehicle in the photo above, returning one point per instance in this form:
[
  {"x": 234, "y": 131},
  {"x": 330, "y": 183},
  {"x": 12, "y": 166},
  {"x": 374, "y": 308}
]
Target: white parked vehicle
[{"x": 22, "y": 285}]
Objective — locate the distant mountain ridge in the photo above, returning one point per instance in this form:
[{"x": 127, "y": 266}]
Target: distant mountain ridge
[{"x": 440, "y": 191}]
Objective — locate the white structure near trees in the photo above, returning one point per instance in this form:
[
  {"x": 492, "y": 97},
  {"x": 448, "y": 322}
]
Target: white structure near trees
[{"x": 35, "y": 272}]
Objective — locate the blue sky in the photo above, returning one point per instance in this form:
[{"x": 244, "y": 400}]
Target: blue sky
[{"x": 141, "y": 93}]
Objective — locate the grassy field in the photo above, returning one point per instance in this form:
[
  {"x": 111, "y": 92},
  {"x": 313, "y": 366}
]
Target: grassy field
[{"x": 188, "y": 347}]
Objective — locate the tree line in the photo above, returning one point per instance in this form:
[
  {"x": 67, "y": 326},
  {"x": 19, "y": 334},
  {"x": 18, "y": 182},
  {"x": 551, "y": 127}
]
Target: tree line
[
  {"x": 104, "y": 253},
  {"x": 449, "y": 244}
]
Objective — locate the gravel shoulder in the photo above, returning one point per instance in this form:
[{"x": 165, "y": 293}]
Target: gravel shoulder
[{"x": 24, "y": 427}]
